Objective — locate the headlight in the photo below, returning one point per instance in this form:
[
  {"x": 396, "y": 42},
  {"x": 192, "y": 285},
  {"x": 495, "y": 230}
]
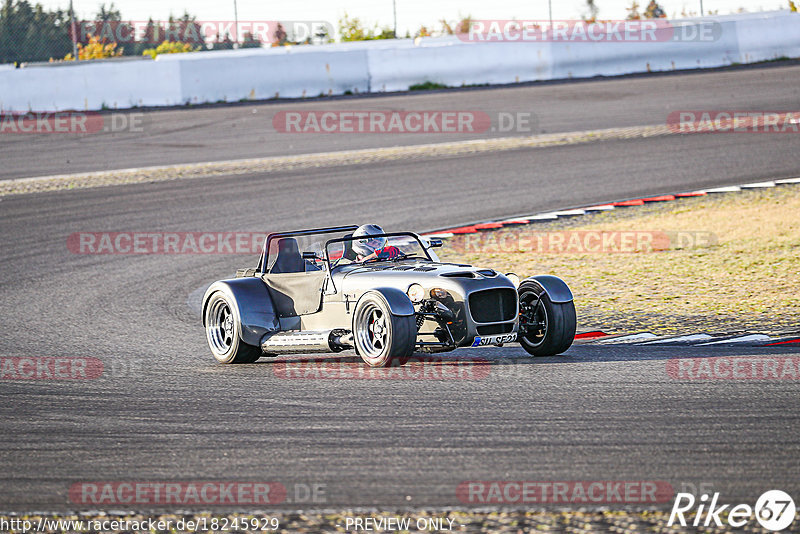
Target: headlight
[
  {"x": 438, "y": 293},
  {"x": 416, "y": 293},
  {"x": 514, "y": 279}
]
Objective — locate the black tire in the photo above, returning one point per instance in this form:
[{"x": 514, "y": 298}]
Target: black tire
[
  {"x": 556, "y": 321},
  {"x": 222, "y": 332},
  {"x": 380, "y": 338}
]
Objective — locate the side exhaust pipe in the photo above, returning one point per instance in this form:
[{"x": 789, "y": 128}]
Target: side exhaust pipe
[{"x": 299, "y": 342}]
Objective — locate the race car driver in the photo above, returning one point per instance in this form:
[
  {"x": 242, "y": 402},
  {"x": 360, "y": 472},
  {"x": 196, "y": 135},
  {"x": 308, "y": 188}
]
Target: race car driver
[{"x": 373, "y": 248}]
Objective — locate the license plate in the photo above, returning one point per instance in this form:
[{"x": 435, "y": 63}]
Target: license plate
[{"x": 493, "y": 340}]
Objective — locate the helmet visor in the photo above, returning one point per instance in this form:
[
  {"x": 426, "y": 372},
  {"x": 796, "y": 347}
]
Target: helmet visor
[{"x": 374, "y": 243}]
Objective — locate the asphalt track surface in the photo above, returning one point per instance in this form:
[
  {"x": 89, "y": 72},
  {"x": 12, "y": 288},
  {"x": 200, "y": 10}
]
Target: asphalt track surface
[
  {"x": 165, "y": 411},
  {"x": 246, "y": 130}
]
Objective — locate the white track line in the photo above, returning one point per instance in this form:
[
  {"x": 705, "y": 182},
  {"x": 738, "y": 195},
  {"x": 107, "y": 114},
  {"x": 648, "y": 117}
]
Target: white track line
[
  {"x": 744, "y": 339},
  {"x": 633, "y": 338},
  {"x": 569, "y": 213},
  {"x": 757, "y": 185},
  {"x": 729, "y": 189},
  {"x": 681, "y": 339},
  {"x": 542, "y": 217}
]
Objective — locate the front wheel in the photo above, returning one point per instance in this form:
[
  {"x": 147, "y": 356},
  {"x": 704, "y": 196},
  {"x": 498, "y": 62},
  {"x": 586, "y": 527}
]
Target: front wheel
[
  {"x": 222, "y": 332},
  {"x": 380, "y": 338},
  {"x": 546, "y": 328}
]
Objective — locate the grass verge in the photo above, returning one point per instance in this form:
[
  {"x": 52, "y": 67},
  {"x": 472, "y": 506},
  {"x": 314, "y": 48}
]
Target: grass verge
[{"x": 719, "y": 263}]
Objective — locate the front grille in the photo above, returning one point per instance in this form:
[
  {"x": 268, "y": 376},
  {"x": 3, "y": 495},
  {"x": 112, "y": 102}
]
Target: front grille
[
  {"x": 494, "y": 329},
  {"x": 493, "y": 305}
]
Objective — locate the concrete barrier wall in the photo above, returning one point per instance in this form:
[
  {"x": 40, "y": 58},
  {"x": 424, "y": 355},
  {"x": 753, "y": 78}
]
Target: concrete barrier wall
[
  {"x": 765, "y": 38},
  {"x": 455, "y": 63},
  {"x": 580, "y": 60},
  {"x": 275, "y": 74},
  {"x": 378, "y": 66},
  {"x": 90, "y": 86}
]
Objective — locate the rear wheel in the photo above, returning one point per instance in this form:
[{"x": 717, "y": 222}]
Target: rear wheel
[
  {"x": 546, "y": 328},
  {"x": 380, "y": 338},
  {"x": 222, "y": 332}
]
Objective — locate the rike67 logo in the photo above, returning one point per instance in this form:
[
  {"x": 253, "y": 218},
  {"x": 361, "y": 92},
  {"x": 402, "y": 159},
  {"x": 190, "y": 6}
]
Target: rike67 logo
[{"x": 774, "y": 510}]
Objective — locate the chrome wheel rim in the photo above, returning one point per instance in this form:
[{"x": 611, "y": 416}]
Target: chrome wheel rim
[
  {"x": 372, "y": 330},
  {"x": 220, "y": 327},
  {"x": 536, "y": 324}
]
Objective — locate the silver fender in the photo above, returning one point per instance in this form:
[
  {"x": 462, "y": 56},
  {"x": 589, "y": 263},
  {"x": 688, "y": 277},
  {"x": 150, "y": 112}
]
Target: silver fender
[
  {"x": 252, "y": 305},
  {"x": 399, "y": 303},
  {"x": 555, "y": 287}
]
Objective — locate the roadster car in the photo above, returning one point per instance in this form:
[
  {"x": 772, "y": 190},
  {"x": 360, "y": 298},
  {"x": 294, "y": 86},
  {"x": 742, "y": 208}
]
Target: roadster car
[{"x": 311, "y": 292}]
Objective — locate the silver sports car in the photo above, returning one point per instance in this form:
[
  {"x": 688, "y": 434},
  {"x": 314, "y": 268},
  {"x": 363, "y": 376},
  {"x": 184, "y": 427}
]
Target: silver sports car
[{"x": 320, "y": 291}]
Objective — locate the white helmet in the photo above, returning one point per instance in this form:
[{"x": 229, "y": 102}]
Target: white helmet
[{"x": 365, "y": 247}]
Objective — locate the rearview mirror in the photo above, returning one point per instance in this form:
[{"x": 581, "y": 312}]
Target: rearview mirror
[
  {"x": 435, "y": 243},
  {"x": 310, "y": 256}
]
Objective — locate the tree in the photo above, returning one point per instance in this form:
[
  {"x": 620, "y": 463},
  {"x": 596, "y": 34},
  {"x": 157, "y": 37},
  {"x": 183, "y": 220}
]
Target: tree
[
  {"x": 423, "y": 31},
  {"x": 280, "y": 37},
  {"x": 654, "y": 11},
  {"x": 50, "y": 35},
  {"x": 152, "y": 36},
  {"x": 633, "y": 11},
  {"x": 464, "y": 24},
  {"x": 323, "y": 36},
  {"x": 6, "y": 26},
  {"x": 169, "y": 47},
  {"x": 225, "y": 43},
  {"x": 109, "y": 28},
  {"x": 95, "y": 49},
  {"x": 16, "y": 40},
  {"x": 353, "y": 30},
  {"x": 446, "y": 28},
  {"x": 31, "y": 33},
  {"x": 186, "y": 30},
  {"x": 460, "y": 27},
  {"x": 108, "y": 14},
  {"x": 591, "y": 16},
  {"x": 250, "y": 41}
]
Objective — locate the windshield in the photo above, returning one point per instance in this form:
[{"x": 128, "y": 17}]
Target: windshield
[
  {"x": 287, "y": 249},
  {"x": 377, "y": 248}
]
